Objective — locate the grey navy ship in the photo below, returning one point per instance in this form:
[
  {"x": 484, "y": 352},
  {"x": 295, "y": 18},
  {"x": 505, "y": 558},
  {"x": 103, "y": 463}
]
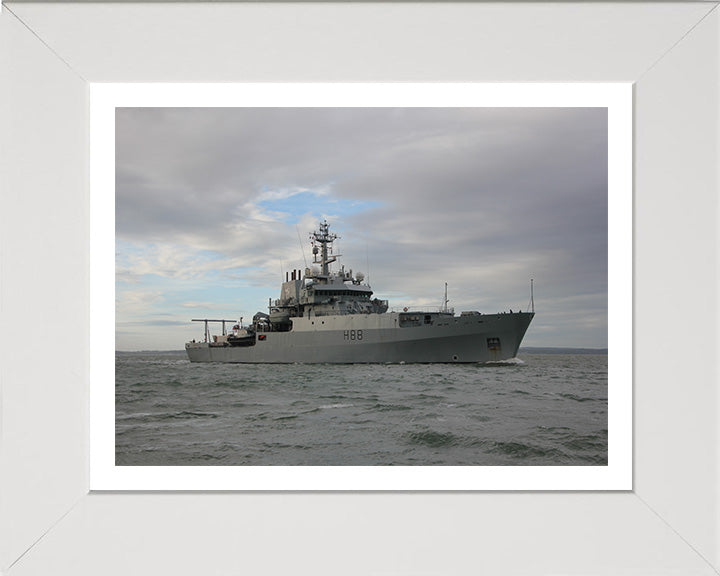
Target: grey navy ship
[{"x": 325, "y": 316}]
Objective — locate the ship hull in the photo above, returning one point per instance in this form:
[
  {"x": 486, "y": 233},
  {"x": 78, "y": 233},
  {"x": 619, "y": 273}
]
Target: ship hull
[{"x": 379, "y": 338}]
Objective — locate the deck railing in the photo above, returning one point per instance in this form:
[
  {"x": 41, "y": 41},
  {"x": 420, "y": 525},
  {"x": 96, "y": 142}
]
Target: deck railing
[{"x": 421, "y": 309}]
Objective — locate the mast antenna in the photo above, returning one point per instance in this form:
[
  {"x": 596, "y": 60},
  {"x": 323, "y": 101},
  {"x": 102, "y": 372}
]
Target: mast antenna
[
  {"x": 301, "y": 245},
  {"x": 367, "y": 262},
  {"x": 532, "y": 297}
]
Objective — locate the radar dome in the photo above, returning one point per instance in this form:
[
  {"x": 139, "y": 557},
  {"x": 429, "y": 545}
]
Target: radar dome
[{"x": 360, "y": 276}]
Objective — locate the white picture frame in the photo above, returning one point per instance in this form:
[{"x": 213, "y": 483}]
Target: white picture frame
[{"x": 667, "y": 524}]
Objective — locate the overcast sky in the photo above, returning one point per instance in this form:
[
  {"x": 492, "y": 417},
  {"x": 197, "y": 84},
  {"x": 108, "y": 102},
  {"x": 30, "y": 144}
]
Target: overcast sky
[{"x": 210, "y": 201}]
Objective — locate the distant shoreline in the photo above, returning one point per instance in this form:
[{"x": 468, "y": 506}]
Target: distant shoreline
[
  {"x": 523, "y": 350},
  {"x": 550, "y": 350}
]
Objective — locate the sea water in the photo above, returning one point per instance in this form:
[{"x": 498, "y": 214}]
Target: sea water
[{"x": 538, "y": 410}]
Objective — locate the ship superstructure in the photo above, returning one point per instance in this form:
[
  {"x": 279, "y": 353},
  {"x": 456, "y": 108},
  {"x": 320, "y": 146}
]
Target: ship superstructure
[{"x": 331, "y": 317}]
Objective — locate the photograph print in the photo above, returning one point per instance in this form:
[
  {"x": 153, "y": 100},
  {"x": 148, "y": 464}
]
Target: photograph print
[{"x": 361, "y": 286}]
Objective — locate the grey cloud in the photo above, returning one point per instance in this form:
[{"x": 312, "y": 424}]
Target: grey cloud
[{"x": 500, "y": 194}]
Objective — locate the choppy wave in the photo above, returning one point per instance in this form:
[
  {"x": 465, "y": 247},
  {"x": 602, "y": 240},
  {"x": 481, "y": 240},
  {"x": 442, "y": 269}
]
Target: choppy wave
[
  {"x": 509, "y": 362},
  {"x": 148, "y": 416},
  {"x": 433, "y": 439},
  {"x": 577, "y": 398},
  {"x": 331, "y": 406},
  {"x": 551, "y": 411},
  {"x": 390, "y": 407},
  {"x": 525, "y": 450}
]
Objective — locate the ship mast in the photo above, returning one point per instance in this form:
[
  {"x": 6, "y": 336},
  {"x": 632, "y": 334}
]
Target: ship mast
[
  {"x": 324, "y": 237},
  {"x": 531, "y": 304}
]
